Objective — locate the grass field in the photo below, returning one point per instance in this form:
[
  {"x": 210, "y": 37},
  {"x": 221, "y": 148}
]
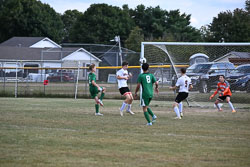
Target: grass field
[{"x": 65, "y": 132}]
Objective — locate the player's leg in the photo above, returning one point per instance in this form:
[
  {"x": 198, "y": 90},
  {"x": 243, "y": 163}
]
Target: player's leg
[
  {"x": 216, "y": 103},
  {"x": 180, "y": 105},
  {"x": 145, "y": 103},
  {"x": 124, "y": 103},
  {"x": 176, "y": 109},
  {"x": 178, "y": 99},
  {"x": 230, "y": 104},
  {"x": 129, "y": 98},
  {"x": 154, "y": 117},
  {"x": 102, "y": 93},
  {"x": 97, "y": 106}
]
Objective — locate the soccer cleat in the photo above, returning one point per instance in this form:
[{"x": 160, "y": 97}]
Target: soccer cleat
[
  {"x": 100, "y": 102},
  {"x": 121, "y": 113},
  {"x": 220, "y": 109},
  {"x": 149, "y": 124},
  {"x": 181, "y": 114},
  {"x": 154, "y": 118},
  {"x": 130, "y": 112},
  {"x": 98, "y": 114},
  {"x": 233, "y": 111},
  {"x": 177, "y": 118}
]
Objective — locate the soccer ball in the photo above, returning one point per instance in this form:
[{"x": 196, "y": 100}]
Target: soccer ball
[{"x": 143, "y": 60}]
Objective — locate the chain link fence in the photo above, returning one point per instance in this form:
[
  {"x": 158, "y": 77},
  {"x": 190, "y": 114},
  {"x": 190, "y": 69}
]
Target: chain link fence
[{"x": 204, "y": 66}]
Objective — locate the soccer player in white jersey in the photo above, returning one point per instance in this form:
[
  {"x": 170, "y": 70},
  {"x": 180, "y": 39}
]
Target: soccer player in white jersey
[
  {"x": 122, "y": 76},
  {"x": 184, "y": 83}
]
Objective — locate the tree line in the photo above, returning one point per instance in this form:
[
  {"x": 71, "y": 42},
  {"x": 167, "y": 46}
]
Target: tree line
[{"x": 102, "y": 22}]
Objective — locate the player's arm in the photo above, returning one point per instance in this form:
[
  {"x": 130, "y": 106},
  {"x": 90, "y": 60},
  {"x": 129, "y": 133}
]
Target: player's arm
[
  {"x": 216, "y": 91},
  {"x": 137, "y": 89},
  {"x": 156, "y": 87},
  {"x": 176, "y": 85},
  {"x": 173, "y": 87},
  {"x": 190, "y": 86},
  {"x": 122, "y": 77},
  {"x": 227, "y": 89}
]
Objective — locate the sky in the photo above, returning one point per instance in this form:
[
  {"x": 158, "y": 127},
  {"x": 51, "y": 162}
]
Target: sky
[{"x": 202, "y": 11}]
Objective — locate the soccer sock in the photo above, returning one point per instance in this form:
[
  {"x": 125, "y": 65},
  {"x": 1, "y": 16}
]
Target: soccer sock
[
  {"x": 150, "y": 112},
  {"x": 102, "y": 95},
  {"x": 123, "y": 106},
  {"x": 96, "y": 108},
  {"x": 180, "y": 107},
  {"x": 176, "y": 109},
  {"x": 217, "y": 106},
  {"x": 147, "y": 116},
  {"x": 231, "y": 105},
  {"x": 129, "y": 107}
]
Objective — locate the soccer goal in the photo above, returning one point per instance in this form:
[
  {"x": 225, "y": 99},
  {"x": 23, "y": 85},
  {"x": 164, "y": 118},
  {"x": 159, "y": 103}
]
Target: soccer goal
[{"x": 204, "y": 63}]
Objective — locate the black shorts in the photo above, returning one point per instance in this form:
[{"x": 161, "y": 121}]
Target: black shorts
[
  {"x": 222, "y": 98},
  {"x": 181, "y": 96},
  {"x": 124, "y": 91}
]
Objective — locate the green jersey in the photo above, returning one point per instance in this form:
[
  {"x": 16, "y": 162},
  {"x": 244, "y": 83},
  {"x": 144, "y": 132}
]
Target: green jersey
[
  {"x": 147, "y": 80},
  {"x": 92, "y": 77},
  {"x": 92, "y": 89}
]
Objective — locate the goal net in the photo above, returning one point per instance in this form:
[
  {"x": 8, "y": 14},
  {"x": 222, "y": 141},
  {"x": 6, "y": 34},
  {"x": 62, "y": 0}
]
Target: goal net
[{"x": 205, "y": 62}]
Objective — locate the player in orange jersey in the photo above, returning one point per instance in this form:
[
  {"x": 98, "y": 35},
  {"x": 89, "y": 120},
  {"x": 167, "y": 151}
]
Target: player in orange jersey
[{"x": 223, "y": 89}]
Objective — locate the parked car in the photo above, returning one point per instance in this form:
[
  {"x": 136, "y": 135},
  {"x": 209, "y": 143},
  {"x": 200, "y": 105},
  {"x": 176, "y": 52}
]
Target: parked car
[
  {"x": 60, "y": 76},
  {"x": 205, "y": 76},
  {"x": 35, "y": 77},
  {"x": 240, "y": 78}
]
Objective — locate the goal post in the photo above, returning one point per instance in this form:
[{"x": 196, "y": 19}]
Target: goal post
[{"x": 171, "y": 56}]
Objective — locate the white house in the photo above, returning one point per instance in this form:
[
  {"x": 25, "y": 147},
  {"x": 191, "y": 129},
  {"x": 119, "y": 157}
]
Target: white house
[{"x": 43, "y": 52}]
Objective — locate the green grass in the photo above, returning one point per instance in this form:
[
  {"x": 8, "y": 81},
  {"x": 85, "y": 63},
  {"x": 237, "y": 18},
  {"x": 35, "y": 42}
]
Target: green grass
[{"x": 65, "y": 132}]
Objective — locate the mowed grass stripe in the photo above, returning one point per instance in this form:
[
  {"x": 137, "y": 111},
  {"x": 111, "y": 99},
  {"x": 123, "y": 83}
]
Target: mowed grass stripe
[{"x": 65, "y": 132}]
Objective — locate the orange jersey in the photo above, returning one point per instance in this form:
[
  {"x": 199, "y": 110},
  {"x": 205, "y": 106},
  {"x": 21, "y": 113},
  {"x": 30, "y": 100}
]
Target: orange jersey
[{"x": 224, "y": 88}]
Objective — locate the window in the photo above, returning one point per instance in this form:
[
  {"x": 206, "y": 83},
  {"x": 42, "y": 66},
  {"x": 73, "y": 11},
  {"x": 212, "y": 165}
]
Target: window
[{"x": 85, "y": 71}]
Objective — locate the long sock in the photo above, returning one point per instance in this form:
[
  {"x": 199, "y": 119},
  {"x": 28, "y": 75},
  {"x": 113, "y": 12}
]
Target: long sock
[
  {"x": 217, "y": 106},
  {"x": 180, "y": 107},
  {"x": 96, "y": 108},
  {"x": 102, "y": 95},
  {"x": 231, "y": 105},
  {"x": 176, "y": 109},
  {"x": 123, "y": 106},
  {"x": 129, "y": 107},
  {"x": 150, "y": 112},
  {"x": 147, "y": 116}
]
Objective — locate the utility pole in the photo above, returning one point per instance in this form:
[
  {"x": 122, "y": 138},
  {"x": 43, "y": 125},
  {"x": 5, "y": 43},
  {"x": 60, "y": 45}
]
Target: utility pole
[{"x": 118, "y": 40}]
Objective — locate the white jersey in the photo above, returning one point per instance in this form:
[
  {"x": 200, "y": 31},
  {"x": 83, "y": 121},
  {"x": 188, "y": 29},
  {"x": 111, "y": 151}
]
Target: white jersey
[
  {"x": 122, "y": 82},
  {"x": 184, "y": 82}
]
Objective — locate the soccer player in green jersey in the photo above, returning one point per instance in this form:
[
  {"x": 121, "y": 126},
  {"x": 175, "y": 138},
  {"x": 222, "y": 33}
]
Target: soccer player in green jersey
[
  {"x": 94, "y": 89},
  {"x": 146, "y": 80}
]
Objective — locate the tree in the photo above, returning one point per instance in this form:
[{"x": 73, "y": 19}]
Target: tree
[
  {"x": 150, "y": 20},
  {"x": 134, "y": 40},
  {"x": 247, "y": 6},
  {"x": 232, "y": 26},
  {"x": 29, "y": 18},
  {"x": 134, "y": 43},
  {"x": 158, "y": 24},
  {"x": 69, "y": 18},
  {"x": 179, "y": 26},
  {"x": 101, "y": 23}
]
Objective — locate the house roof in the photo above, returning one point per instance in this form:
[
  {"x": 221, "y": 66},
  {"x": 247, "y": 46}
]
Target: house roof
[
  {"x": 21, "y": 41},
  {"x": 82, "y": 50},
  {"x": 29, "y": 42},
  {"x": 26, "y": 53},
  {"x": 242, "y": 55}
]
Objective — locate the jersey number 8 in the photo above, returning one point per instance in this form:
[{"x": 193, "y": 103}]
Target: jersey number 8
[{"x": 148, "y": 79}]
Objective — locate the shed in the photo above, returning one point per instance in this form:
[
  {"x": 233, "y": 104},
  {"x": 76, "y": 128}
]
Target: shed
[{"x": 198, "y": 58}]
